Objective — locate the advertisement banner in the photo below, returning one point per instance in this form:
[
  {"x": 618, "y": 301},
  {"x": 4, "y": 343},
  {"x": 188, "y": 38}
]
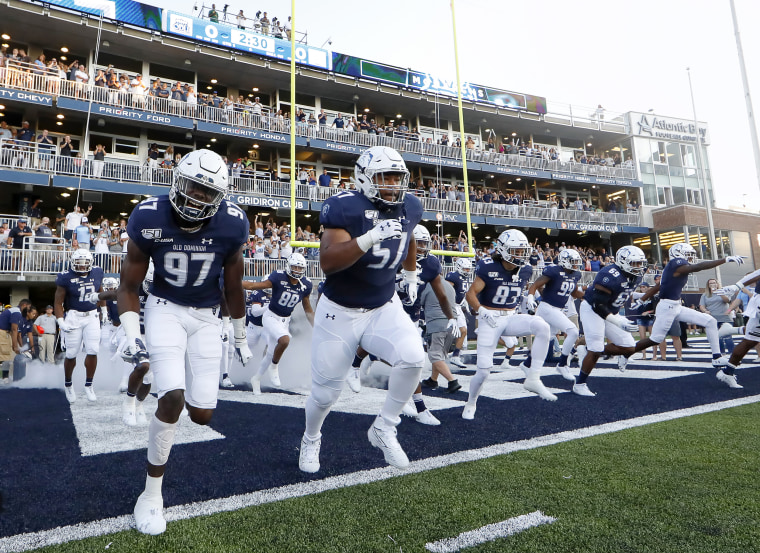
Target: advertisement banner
[
  {"x": 128, "y": 11},
  {"x": 27, "y": 97},
  {"x": 125, "y": 113},
  {"x": 258, "y": 201},
  {"x": 243, "y": 39}
]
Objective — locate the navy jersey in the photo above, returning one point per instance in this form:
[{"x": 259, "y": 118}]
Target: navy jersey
[
  {"x": 113, "y": 312},
  {"x": 285, "y": 295},
  {"x": 430, "y": 268},
  {"x": 460, "y": 284},
  {"x": 503, "y": 289},
  {"x": 9, "y": 317},
  {"x": 257, "y": 296},
  {"x": 617, "y": 282},
  {"x": 671, "y": 285},
  {"x": 78, "y": 286},
  {"x": 370, "y": 282},
  {"x": 561, "y": 284},
  {"x": 321, "y": 287},
  {"x": 25, "y": 328},
  {"x": 188, "y": 265}
]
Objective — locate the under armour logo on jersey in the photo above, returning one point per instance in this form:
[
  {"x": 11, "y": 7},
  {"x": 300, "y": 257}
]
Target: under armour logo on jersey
[
  {"x": 161, "y": 301},
  {"x": 328, "y": 316},
  {"x": 207, "y": 240}
]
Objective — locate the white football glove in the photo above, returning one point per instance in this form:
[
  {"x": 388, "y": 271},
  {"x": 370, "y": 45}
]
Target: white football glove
[
  {"x": 226, "y": 325},
  {"x": 384, "y": 230},
  {"x": 242, "y": 351},
  {"x": 620, "y": 321},
  {"x": 530, "y": 302},
  {"x": 92, "y": 297},
  {"x": 136, "y": 353},
  {"x": 485, "y": 314},
  {"x": 410, "y": 286},
  {"x": 64, "y": 325},
  {"x": 637, "y": 304},
  {"x": 454, "y": 328},
  {"x": 729, "y": 290},
  {"x": 738, "y": 259}
]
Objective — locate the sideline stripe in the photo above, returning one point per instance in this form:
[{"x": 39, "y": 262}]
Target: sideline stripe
[
  {"x": 63, "y": 534},
  {"x": 490, "y": 532}
]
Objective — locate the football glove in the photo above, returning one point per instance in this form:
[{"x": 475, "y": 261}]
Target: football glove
[
  {"x": 729, "y": 290},
  {"x": 620, "y": 321},
  {"x": 738, "y": 259},
  {"x": 637, "y": 304},
  {"x": 92, "y": 297},
  {"x": 452, "y": 326},
  {"x": 384, "y": 230},
  {"x": 410, "y": 285},
  {"x": 485, "y": 314},
  {"x": 530, "y": 303},
  {"x": 64, "y": 325},
  {"x": 242, "y": 351},
  {"x": 136, "y": 353}
]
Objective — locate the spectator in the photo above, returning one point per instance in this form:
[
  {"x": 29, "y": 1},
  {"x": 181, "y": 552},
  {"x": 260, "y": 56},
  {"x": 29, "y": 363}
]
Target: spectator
[
  {"x": 66, "y": 151},
  {"x": 45, "y": 147},
  {"x": 35, "y": 212},
  {"x": 46, "y": 340},
  {"x": 43, "y": 233},
  {"x": 82, "y": 238},
  {"x": 73, "y": 220},
  {"x": 16, "y": 241},
  {"x": 324, "y": 179},
  {"x": 264, "y": 24},
  {"x": 240, "y": 20},
  {"x": 102, "y": 242},
  {"x": 98, "y": 160},
  {"x": 213, "y": 15}
]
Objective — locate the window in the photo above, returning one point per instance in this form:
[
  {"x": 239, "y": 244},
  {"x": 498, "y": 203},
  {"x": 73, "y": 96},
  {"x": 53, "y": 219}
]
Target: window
[
  {"x": 125, "y": 146},
  {"x": 688, "y": 155},
  {"x": 694, "y": 196}
]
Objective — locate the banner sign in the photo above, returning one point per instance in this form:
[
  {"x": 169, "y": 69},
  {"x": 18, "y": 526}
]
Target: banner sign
[
  {"x": 452, "y": 217},
  {"x": 125, "y": 113},
  {"x": 27, "y": 97},
  {"x": 597, "y": 227},
  {"x": 258, "y": 201},
  {"x": 245, "y": 40},
  {"x": 253, "y": 134},
  {"x": 128, "y": 11},
  {"x": 574, "y": 177}
]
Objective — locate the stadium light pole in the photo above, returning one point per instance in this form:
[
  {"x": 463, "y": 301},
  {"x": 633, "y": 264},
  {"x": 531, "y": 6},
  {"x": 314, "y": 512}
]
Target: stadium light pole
[
  {"x": 747, "y": 96},
  {"x": 702, "y": 175}
]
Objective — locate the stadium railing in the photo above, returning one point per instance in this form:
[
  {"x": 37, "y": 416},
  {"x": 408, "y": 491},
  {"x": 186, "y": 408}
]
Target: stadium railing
[{"x": 23, "y": 76}]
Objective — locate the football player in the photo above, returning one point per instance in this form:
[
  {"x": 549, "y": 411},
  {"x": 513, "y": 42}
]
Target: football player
[
  {"x": 557, "y": 285},
  {"x": 669, "y": 310},
  {"x": 256, "y": 303},
  {"x": 460, "y": 278},
  {"x": 495, "y": 295},
  {"x": 78, "y": 291},
  {"x": 289, "y": 288},
  {"x": 367, "y": 237},
  {"x": 611, "y": 289},
  {"x": 191, "y": 234}
]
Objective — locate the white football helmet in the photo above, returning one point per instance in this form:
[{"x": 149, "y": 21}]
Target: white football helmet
[
  {"x": 148, "y": 280},
  {"x": 631, "y": 260},
  {"x": 424, "y": 243},
  {"x": 296, "y": 266},
  {"x": 110, "y": 283},
  {"x": 464, "y": 267},
  {"x": 199, "y": 185},
  {"x": 513, "y": 246},
  {"x": 683, "y": 251},
  {"x": 370, "y": 171},
  {"x": 81, "y": 261},
  {"x": 570, "y": 260}
]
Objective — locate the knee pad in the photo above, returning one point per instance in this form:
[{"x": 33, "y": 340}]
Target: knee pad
[
  {"x": 412, "y": 357},
  {"x": 712, "y": 324},
  {"x": 540, "y": 328},
  {"x": 323, "y": 396},
  {"x": 483, "y": 373},
  {"x": 160, "y": 441}
]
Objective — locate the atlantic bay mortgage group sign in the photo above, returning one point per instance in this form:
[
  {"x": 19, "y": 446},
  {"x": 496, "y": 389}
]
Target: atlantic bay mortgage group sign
[{"x": 667, "y": 128}]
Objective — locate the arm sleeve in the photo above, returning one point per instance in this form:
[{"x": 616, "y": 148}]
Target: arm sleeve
[{"x": 600, "y": 302}]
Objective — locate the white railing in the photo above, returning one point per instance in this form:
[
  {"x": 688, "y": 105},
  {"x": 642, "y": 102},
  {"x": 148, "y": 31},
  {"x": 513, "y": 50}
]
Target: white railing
[{"x": 238, "y": 115}]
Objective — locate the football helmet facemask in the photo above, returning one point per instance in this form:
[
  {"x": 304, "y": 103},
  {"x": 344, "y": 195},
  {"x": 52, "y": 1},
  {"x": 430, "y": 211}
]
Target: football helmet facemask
[
  {"x": 110, "y": 283},
  {"x": 296, "y": 266},
  {"x": 683, "y": 251},
  {"x": 631, "y": 260},
  {"x": 199, "y": 184},
  {"x": 381, "y": 171},
  {"x": 513, "y": 247},
  {"x": 570, "y": 260},
  {"x": 424, "y": 243},
  {"x": 464, "y": 267},
  {"x": 81, "y": 261}
]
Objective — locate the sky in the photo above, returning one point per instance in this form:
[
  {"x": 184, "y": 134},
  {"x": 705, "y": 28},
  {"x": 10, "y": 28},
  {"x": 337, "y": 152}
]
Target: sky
[{"x": 626, "y": 56}]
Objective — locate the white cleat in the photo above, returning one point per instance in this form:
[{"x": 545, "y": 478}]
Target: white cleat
[
  {"x": 729, "y": 380},
  {"x": 71, "y": 395},
  {"x": 274, "y": 377},
  {"x": 409, "y": 410},
  {"x": 308, "y": 460},
  {"x": 129, "y": 412},
  {"x": 384, "y": 438},
  {"x": 720, "y": 361},
  {"x": 534, "y": 384},
  {"x": 354, "y": 381},
  {"x": 149, "y": 515},
  {"x": 564, "y": 370},
  {"x": 469, "y": 412},
  {"x": 227, "y": 383},
  {"x": 123, "y": 385},
  {"x": 622, "y": 363},
  {"x": 256, "y": 385},
  {"x": 140, "y": 417},
  {"x": 90, "y": 393},
  {"x": 426, "y": 417},
  {"x": 582, "y": 390},
  {"x": 457, "y": 361}
]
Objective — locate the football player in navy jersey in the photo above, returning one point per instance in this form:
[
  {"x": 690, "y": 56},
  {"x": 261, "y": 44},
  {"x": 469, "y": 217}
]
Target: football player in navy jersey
[
  {"x": 367, "y": 237},
  {"x": 557, "y": 284},
  {"x": 495, "y": 295},
  {"x": 78, "y": 293},
  {"x": 256, "y": 303},
  {"x": 191, "y": 234},
  {"x": 601, "y": 304},
  {"x": 461, "y": 279},
  {"x": 682, "y": 263},
  {"x": 289, "y": 288}
]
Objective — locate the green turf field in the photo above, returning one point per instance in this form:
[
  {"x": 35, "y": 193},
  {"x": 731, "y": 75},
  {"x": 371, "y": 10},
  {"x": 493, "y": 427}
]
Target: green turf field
[{"x": 688, "y": 485}]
